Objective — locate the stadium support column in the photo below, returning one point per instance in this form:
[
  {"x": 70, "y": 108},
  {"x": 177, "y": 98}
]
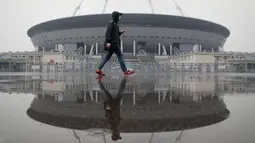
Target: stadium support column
[
  {"x": 91, "y": 50},
  {"x": 121, "y": 46},
  {"x": 96, "y": 96},
  {"x": 134, "y": 97},
  {"x": 85, "y": 95},
  {"x": 43, "y": 49},
  {"x": 134, "y": 46},
  {"x": 85, "y": 49},
  {"x": 164, "y": 50},
  {"x": 34, "y": 62},
  {"x": 171, "y": 49},
  {"x": 200, "y": 48},
  {"x": 96, "y": 48},
  {"x": 159, "y": 48},
  {"x": 159, "y": 98}
]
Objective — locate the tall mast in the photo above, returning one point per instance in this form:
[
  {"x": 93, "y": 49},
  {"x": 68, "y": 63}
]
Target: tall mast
[
  {"x": 182, "y": 12},
  {"x": 76, "y": 9},
  {"x": 105, "y": 5},
  {"x": 151, "y": 6}
]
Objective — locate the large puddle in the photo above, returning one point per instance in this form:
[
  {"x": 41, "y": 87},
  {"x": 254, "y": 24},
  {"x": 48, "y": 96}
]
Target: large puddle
[{"x": 139, "y": 109}]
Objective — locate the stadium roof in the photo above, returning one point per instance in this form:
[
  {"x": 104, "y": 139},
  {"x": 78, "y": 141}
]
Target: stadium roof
[
  {"x": 131, "y": 125},
  {"x": 129, "y": 20}
]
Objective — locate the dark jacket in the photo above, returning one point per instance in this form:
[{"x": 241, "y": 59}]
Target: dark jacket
[{"x": 112, "y": 34}]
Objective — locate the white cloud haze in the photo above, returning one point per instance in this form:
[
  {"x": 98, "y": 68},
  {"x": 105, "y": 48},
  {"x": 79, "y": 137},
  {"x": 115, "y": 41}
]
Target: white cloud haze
[{"x": 17, "y": 16}]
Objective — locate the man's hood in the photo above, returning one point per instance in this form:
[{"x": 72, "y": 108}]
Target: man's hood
[{"x": 115, "y": 16}]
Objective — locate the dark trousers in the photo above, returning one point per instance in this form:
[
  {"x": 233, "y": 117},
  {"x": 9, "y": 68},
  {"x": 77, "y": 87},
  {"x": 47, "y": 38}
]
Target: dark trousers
[
  {"x": 120, "y": 92},
  {"x": 110, "y": 51}
]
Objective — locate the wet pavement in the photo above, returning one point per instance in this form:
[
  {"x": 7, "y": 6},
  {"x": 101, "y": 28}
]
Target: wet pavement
[{"x": 183, "y": 108}]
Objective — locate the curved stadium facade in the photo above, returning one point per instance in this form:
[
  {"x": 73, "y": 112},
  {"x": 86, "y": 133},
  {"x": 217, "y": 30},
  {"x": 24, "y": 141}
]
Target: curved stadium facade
[{"x": 152, "y": 33}]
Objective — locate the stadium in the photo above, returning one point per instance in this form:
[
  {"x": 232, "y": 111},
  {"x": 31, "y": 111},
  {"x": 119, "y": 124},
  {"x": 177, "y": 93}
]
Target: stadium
[
  {"x": 146, "y": 33},
  {"x": 152, "y": 42}
]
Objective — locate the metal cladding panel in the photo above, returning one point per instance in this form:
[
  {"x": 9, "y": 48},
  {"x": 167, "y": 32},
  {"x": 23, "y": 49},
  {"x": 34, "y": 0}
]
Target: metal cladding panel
[
  {"x": 186, "y": 47},
  {"x": 130, "y": 20}
]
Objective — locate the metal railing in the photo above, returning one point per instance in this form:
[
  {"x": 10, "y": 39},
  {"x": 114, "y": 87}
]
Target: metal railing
[
  {"x": 139, "y": 63},
  {"x": 143, "y": 64}
]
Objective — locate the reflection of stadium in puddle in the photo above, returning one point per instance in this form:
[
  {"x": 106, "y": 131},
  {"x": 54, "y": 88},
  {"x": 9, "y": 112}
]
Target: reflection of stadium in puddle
[
  {"x": 152, "y": 111},
  {"x": 155, "y": 108},
  {"x": 159, "y": 117}
]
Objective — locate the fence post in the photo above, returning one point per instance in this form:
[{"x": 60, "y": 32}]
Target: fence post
[
  {"x": 73, "y": 67},
  {"x": 48, "y": 67},
  {"x": 216, "y": 67},
  {"x": 175, "y": 66},
  {"x": 200, "y": 67},
  {"x": 208, "y": 68},
  {"x": 64, "y": 67},
  {"x": 56, "y": 67},
  {"x": 191, "y": 67},
  {"x": 81, "y": 68}
]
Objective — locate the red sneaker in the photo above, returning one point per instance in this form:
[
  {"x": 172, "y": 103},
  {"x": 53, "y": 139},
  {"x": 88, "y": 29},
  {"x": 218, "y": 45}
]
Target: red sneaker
[
  {"x": 100, "y": 73},
  {"x": 128, "y": 72},
  {"x": 100, "y": 77}
]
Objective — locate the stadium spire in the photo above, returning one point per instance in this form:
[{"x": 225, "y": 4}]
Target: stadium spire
[
  {"x": 76, "y": 9},
  {"x": 182, "y": 12},
  {"x": 106, "y": 2},
  {"x": 105, "y": 5},
  {"x": 151, "y": 6}
]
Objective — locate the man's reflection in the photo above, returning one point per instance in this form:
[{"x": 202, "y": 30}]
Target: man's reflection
[
  {"x": 112, "y": 108},
  {"x": 176, "y": 97},
  {"x": 80, "y": 97}
]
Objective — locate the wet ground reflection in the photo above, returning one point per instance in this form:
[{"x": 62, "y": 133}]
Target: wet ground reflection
[{"x": 145, "y": 108}]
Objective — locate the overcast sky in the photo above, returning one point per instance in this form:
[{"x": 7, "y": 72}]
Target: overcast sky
[{"x": 17, "y": 16}]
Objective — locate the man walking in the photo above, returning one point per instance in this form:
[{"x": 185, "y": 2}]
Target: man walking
[{"x": 112, "y": 44}]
